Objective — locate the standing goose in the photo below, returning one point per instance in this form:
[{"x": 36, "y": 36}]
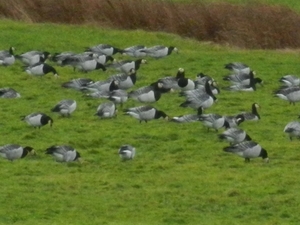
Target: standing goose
[
  {"x": 134, "y": 51},
  {"x": 8, "y": 92},
  {"x": 106, "y": 110},
  {"x": 105, "y": 49},
  {"x": 171, "y": 83},
  {"x": 126, "y": 152},
  {"x": 38, "y": 120},
  {"x": 7, "y": 58},
  {"x": 159, "y": 51},
  {"x": 145, "y": 113},
  {"x": 63, "y": 153},
  {"x": 147, "y": 94},
  {"x": 237, "y": 67},
  {"x": 290, "y": 80},
  {"x": 245, "y": 87},
  {"x": 253, "y": 115},
  {"x": 204, "y": 100},
  {"x": 65, "y": 107},
  {"x": 41, "y": 69},
  {"x": 78, "y": 83},
  {"x": 292, "y": 129},
  {"x": 125, "y": 80},
  {"x": 126, "y": 65},
  {"x": 248, "y": 150},
  {"x": 290, "y": 94},
  {"x": 187, "y": 118},
  {"x": 214, "y": 121},
  {"x": 14, "y": 151},
  {"x": 32, "y": 57},
  {"x": 234, "y": 135}
]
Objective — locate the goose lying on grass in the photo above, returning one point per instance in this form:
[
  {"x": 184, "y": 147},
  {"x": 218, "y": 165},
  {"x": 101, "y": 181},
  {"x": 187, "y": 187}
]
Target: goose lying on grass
[
  {"x": 8, "y": 92},
  {"x": 7, "y": 57}
]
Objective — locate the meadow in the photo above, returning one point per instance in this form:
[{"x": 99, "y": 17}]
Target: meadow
[{"x": 180, "y": 174}]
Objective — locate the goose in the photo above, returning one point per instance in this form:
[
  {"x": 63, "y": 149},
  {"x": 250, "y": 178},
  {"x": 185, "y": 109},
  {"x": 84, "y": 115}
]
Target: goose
[
  {"x": 41, "y": 69},
  {"x": 105, "y": 91},
  {"x": 188, "y": 117},
  {"x": 234, "y": 135},
  {"x": 78, "y": 83},
  {"x": 105, "y": 49},
  {"x": 248, "y": 150},
  {"x": 7, "y": 58},
  {"x": 135, "y": 51},
  {"x": 84, "y": 63},
  {"x": 237, "y": 67},
  {"x": 235, "y": 120},
  {"x": 8, "y": 92},
  {"x": 118, "y": 96},
  {"x": 292, "y": 129},
  {"x": 290, "y": 94},
  {"x": 170, "y": 82},
  {"x": 245, "y": 87},
  {"x": 103, "y": 59},
  {"x": 159, "y": 51},
  {"x": 106, "y": 110},
  {"x": 126, "y": 65},
  {"x": 253, "y": 115},
  {"x": 37, "y": 119},
  {"x": 60, "y": 57},
  {"x": 125, "y": 80},
  {"x": 101, "y": 85},
  {"x": 214, "y": 121},
  {"x": 147, "y": 94},
  {"x": 126, "y": 152},
  {"x": 242, "y": 79},
  {"x": 145, "y": 113},
  {"x": 204, "y": 100},
  {"x": 32, "y": 57},
  {"x": 15, "y": 151},
  {"x": 290, "y": 80},
  {"x": 201, "y": 79},
  {"x": 186, "y": 84},
  {"x": 200, "y": 90},
  {"x": 63, "y": 153},
  {"x": 65, "y": 107}
]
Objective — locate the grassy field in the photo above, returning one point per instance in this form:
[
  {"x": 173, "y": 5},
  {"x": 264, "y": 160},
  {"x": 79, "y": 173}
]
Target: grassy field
[{"x": 180, "y": 174}]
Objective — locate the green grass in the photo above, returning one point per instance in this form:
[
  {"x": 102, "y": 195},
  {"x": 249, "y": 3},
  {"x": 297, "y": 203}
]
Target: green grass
[{"x": 180, "y": 174}]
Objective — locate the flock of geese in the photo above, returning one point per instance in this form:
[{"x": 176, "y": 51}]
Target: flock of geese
[{"x": 198, "y": 94}]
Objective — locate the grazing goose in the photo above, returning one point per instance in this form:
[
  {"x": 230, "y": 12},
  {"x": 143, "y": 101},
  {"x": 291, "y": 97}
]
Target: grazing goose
[
  {"x": 204, "y": 100},
  {"x": 147, "y": 94},
  {"x": 65, "y": 107},
  {"x": 60, "y": 57},
  {"x": 171, "y": 83},
  {"x": 238, "y": 67},
  {"x": 84, "y": 63},
  {"x": 245, "y": 87},
  {"x": 292, "y": 129},
  {"x": 134, "y": 51},
  {"x": 242, "y": 79},
  {"x": 159, "y": 51},
  {"x": 14, "y": 151},
  {"x": 126, "y": 152},
  {"x": 291, "y": 94},
  {"x": 7, "y": 58},
  {"x": 104, "y": 49},
  {"x": 126, "y": 65},
  {"x": 125, "y": 80},
  {"x": 63, "y": 153},
  {"x": 101, "y": 85},
  {"x": 32, "y": 57},
  {"x": 78, "y": 83},
  {"x": 41, "y": 69},
  {"x": 253, "y": 115},
  {"x": 214, "y": 121},
  {"x": 234, "y": 135},
  {"x": 248, "y": 150},
  {"x": 38, "y": 120},
  {"x": 187, "y": 118},
  {"x": 8, "y": 92},
  {"x": 290, "y": 80},
  {"x": 106, "y": 110},
  {"x": 145, "y": 113}
]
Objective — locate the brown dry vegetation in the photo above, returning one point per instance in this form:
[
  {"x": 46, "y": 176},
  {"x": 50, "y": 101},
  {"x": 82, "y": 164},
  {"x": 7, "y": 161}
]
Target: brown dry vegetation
[{"x": 245, "y": 26}]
